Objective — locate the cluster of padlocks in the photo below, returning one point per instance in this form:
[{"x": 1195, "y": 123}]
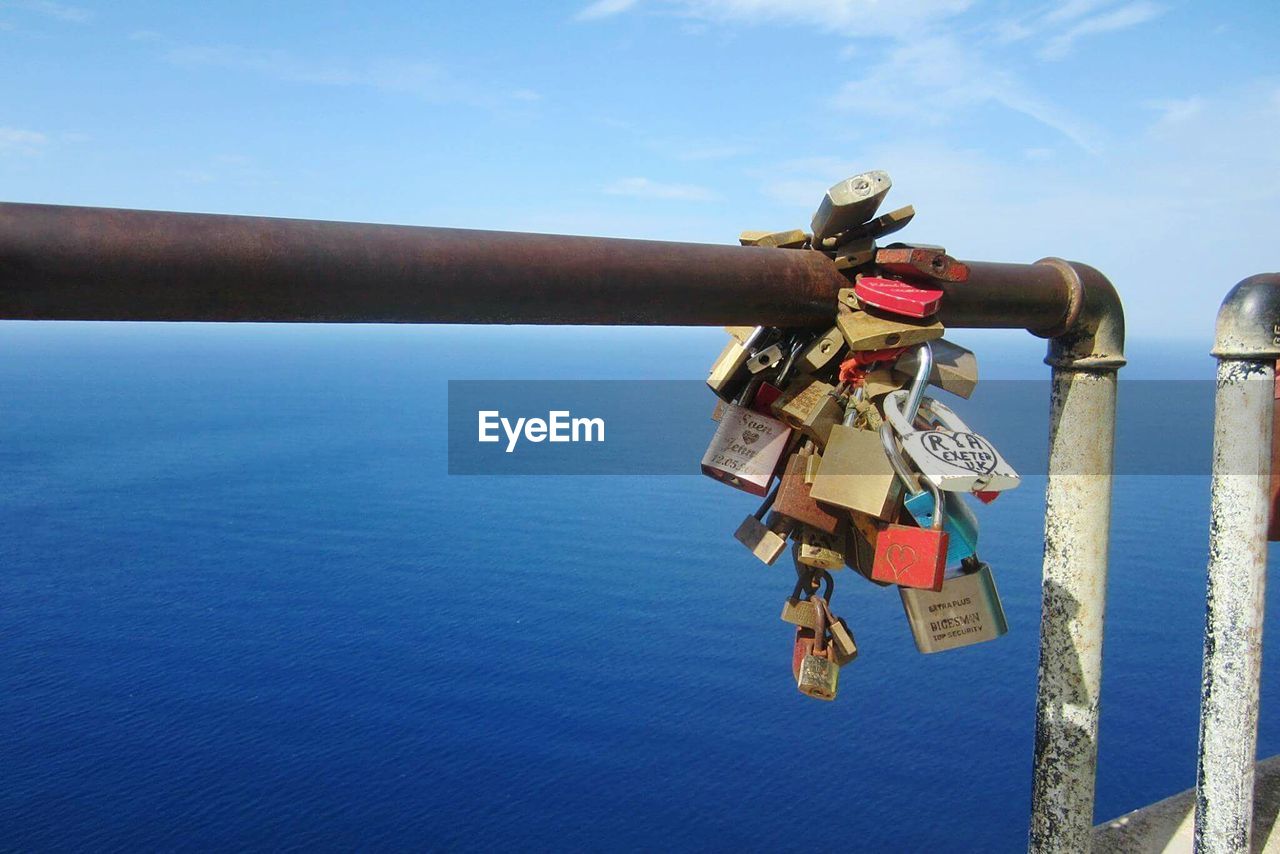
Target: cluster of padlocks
[{"x": 857, "y": 465}]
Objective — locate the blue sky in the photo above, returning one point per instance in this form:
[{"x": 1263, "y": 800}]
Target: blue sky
[{"x": 1139, "y": 136}]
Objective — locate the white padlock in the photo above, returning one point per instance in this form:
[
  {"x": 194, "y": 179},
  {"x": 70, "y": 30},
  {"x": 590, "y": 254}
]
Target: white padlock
[{"x": 950, "y": 455}]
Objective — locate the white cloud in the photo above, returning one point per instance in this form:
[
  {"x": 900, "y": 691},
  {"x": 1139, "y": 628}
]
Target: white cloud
[
  {"x": 644, "y": 188},
  {"x": 932, "y": 79},
  {"x": 1111, "y": 21},
  {"x": 420, "y": 78},
  {"x": 50, "y": 9},
  {"x": 19, "y": 141},
  {"x": 604, "y": 9}
]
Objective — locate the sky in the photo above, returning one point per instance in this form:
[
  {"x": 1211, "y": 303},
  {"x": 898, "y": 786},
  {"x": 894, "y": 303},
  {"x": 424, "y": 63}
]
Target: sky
[{"x": 1139, "y": 136}]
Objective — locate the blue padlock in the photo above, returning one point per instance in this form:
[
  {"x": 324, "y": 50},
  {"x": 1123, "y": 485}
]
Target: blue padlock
[{"x": 960, "y": 523}]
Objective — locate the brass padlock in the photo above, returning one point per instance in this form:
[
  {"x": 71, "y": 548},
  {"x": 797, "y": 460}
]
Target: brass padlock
[
  {"x": 822, "y": 351},
  {"x": 817, "y": 548},
  {"x": 809, "y": 406},
  {"x": 730, "y": 371},
  {"x": 843, "y": 646},
  {"x": 855, "y": 473},
  {"x": 867, "y": 329},
  {"x": 792, "y": 239},
  {"x": 854, "y": 253},
  {"x": 765, "y": 536},
  {"x": 955, "y": 368},
  {"x": 819, "y": 674},
  {"x": 965, "y": 611},
  {"x": 850, "y": 203}
]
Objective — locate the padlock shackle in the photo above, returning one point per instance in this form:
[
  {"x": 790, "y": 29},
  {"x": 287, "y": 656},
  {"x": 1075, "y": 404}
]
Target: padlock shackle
[
  {"x": 924, "y": 370},
  {"x": 896, "y": 460}
]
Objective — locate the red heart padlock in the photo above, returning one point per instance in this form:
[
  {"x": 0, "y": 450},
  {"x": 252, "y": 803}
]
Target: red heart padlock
[
  {"x": 897, "y": 297},
  {"x": 913, "y": 557}
]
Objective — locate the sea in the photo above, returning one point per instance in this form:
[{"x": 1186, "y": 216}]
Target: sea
[{"x": 244, "y": 605}]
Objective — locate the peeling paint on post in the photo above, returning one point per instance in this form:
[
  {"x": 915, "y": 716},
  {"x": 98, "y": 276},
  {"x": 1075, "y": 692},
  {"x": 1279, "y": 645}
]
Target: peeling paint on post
[
  {"x": 1239, "y": 507},
  {"x": 1077, "y": 534},
  {"x": 1246, "y": 346}
]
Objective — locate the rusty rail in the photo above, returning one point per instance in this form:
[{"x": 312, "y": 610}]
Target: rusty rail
[{"x": 65, "y": 263}]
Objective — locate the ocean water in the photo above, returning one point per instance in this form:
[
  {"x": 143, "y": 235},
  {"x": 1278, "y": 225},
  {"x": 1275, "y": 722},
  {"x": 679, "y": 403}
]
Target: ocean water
[{"x": 243, "y": 605}]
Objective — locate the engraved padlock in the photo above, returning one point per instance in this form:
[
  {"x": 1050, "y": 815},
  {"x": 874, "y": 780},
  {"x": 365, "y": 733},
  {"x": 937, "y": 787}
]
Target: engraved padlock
[
  {"x": 949, "y": 454},
  {"x": 910, "y": 556},
  {"x": 964, "y": 612},
  {"x": 960, "y": 523},
  {"x": 746, "y": 447},
  {"x": 801, "y": 607},
  {"x": 897, "y": 297},
  {"x": 808, "y": 405}
]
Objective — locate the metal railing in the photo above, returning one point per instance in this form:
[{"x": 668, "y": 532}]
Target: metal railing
[
  {"x": 1246, "y": 344},
  {"x": 65, "y": 263}
]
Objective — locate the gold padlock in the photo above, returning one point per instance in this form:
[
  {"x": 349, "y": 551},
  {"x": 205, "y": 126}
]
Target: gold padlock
[
  {"x": 808, "y": 406},
  {"x": 822, "y": 351},
  {"x": 855, "y": 473},
  {"x": 955, "y": 368},
  {"x": 867, "y": 329},
  {"x": 818, "y": 548},
  {"x": 793, "y": 239}
]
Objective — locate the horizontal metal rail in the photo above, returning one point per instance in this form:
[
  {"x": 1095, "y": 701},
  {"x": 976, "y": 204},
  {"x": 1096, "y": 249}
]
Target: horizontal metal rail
[
  {"x": 71, "y": 263},
  {"x": 66, "y": 263}
]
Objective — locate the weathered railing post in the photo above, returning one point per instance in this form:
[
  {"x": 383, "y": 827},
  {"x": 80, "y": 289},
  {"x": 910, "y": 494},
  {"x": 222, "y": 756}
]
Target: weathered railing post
[
  {"x": 1076, "y": 537},
  {"x": 1247, "y": 345}
]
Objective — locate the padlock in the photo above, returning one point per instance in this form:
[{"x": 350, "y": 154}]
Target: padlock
[
  {"x": 741, "y": 333},
  {"x": 850, "y": 203},
  {"x": 818, "y": 548},
  {"x": 730, "y": 372},
  {"x": 854, "y": 473},
  {"x": 879, "y": 382},
  {"x": 810, "y": 406},
  {"x": 793, "y": 239},
  {"x": 819, "y": 675},
  {"x": 746, "y": 448},
  {"x": 965, "y": 611},
  {"x": 959, "y": 522},
  {"x": 843, "y": 647},
  {"x": 897, "y": 297},
  {"x": 920, "y": 263},
  {"x": 765, "y": 536},
  {"x": 949, "y": 454},
  {"x": 801, "y": 607},
  {"x": 870, "y": 329},
  {"x": 765, "y": 358},
  {"x": 911, "y": 556},
  {"x": 854, "y": 253},
  {"x": 794, "y": 499},
  {"x": 881, "y": 226},
  {"x": 860, "y": 545},
  {"x": 822, "y": 351},
  {"x": 955, "y": 368}
]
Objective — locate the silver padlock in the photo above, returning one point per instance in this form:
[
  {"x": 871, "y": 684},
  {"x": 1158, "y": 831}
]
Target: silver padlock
[
  {"x": 964, "y": 612},
  {"x": 949, "y": 455},
  {"x": 746, "y": 447}
]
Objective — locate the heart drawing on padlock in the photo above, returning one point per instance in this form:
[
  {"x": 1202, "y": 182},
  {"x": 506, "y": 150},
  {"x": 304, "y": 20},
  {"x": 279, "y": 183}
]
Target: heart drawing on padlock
[
  {"x": 963, "y": 450},
  {"x": 750, "y": 436},
  {"x": 901, "y": 558}
]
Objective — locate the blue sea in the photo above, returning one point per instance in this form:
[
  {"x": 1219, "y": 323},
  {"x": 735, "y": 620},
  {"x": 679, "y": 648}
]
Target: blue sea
[{"x": 243, "y": 605}]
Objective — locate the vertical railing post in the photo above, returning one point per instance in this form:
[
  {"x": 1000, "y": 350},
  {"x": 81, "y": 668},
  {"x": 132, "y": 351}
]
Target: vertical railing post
[
  {"x": 1246, "y": 345},
  {"x": 1077, "y": 535}
]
